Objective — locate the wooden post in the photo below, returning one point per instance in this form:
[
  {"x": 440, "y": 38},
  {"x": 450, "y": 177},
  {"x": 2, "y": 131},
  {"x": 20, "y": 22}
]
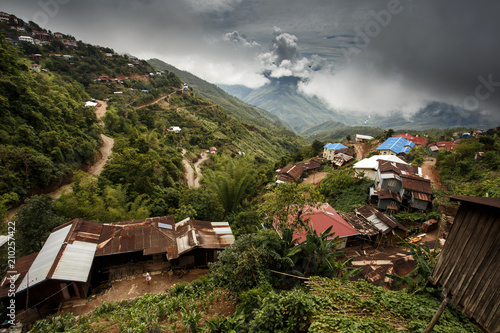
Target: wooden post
[{"x": 438, "y": 314}]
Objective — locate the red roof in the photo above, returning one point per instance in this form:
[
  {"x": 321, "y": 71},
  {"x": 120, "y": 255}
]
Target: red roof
[
  {"x": 447, "y": 145},
  {"x": 418, "y": 140},
  {"x": 321, "y": 219}
]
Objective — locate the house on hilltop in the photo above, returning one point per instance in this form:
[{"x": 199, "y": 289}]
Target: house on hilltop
[
  {"x": 399, "y": 184},
  {"x": 369, "y": 166},
  {"x": 395, "y": 146},
  {"x": 330, "y": 149},
  {"x": 418, "y": 140},
  {"x": 363, "y": 138}
]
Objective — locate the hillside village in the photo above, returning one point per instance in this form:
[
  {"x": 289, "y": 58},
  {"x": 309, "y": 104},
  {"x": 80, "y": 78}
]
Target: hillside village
[{"x": 274, "y": 234}]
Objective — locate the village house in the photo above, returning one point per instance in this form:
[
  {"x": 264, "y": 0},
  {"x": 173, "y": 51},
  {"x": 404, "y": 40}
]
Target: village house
[
  {"x": 26, "y": 39},
  {"x": 363, "y": 138},
  {"x": 58, "y": 35},
  {"x": 80, "y": 255},
  {"x": 35, "y": 68},
  {"x": 288, "y": 174},
  {"x": 329, "y": 150},
  {"x": 310, "y": 166},
  {"x": 341, "y": 159},
  {"x": 322, "y": 218},
  {"x": 441, "y": 145},
  {"x": 399, "y": 184},
  {"x": 367, "y": 167},
  {"x": 468, "y": 266},
  {"x": 418, "y": 140},
  {"x": 395, "y": 146},
  {"x": 291, "y": 173},
  {"x": 375, "y": 227},
  {"x": 5, "y": 17},
  {"x": 175, "y": 129}
]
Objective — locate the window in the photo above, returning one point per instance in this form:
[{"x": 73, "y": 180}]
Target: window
[{"x": 392, "y": 183}]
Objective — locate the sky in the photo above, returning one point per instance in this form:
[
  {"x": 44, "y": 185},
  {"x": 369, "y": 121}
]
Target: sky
[{"x": 366, "y": 56}]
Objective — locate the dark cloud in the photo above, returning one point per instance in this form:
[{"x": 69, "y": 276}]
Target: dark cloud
[{"x": 369, "y": 56}]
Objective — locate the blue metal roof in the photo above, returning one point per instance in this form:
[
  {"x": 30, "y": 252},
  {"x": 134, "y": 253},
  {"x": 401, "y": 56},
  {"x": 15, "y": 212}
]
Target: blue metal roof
[
  {"x": 334, "y": 146},
  {"x": 397, "y": 145}
]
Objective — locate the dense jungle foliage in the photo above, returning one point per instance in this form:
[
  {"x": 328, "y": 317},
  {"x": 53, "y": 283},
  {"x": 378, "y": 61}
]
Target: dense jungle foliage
[{"x": 47, "y": 136}]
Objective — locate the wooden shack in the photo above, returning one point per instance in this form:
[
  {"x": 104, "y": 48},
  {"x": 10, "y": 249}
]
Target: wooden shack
[{"x": 468, "y": 268}]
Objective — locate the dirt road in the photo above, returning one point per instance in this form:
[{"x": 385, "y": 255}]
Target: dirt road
[
  {"x": 193, "y": 176},
  {"x": 101, "y": 110},
  {"x": 104, "y": 152},
  {"x": 315, "y": 178},
  {"x": 429, "y": 172},
  {"x": 130, "y": 288}
]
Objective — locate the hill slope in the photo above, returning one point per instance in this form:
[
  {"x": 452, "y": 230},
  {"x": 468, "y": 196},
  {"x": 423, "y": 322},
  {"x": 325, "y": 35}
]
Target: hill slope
[{"x": 302, "y": 113}]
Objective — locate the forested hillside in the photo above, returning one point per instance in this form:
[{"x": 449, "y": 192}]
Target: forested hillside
[{"x": 46, "y": 132}]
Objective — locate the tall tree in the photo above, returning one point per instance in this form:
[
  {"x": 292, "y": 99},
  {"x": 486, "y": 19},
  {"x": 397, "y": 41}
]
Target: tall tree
[
  {"x": 287, "y": 203},
  {"x": 232, "y": 180},
  {"x": 34, "y": 223}
]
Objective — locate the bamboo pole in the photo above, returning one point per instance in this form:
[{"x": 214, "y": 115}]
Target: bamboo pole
[{"x": 438, "y": 314}]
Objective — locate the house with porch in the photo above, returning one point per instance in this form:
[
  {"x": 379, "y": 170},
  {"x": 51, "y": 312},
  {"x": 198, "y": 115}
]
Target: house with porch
[
  {"x": 330, "y": 149},
  {"x": 399, "y": 184}
]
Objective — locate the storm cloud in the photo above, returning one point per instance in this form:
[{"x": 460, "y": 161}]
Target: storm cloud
[{"x": 372, "y": 56}]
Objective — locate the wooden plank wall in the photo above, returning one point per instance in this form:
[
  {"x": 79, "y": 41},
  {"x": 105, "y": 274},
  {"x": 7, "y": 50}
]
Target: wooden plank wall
[{"x": 469, "y": 265}]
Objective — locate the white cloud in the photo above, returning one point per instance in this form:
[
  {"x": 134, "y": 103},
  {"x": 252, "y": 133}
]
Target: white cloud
[
  {"x": 213, "y": 6},
  {"x": 362, "y": 89}
]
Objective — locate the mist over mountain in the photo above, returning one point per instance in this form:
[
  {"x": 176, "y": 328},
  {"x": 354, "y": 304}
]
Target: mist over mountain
[{"x": 304, "y": 114}]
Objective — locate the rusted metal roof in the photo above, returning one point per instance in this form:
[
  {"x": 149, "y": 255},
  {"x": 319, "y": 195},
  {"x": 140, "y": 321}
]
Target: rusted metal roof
[
  {"x": 67, "y": 254},
  {"x": 415, "y": 183},
  {"x": 18, "y": 272},
  {"x": 493, "y": 202},
  {"x": 291, "y": 170},
  {"x": 362, "y": 225},
  {"x": 163, "y": 235},
  {"x": 399, "y": 168},
  {"x": 382, "y": 222},
  {"x": 347, "y": 151},
  {"x": 421, "y": 196},
  {"x": 309, "y": 165}
]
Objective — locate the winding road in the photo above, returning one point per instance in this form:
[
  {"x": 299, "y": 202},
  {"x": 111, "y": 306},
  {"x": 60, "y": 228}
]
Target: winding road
[
  {"x": 104, "y": 152},
  {"x": 193, "y": 176}
]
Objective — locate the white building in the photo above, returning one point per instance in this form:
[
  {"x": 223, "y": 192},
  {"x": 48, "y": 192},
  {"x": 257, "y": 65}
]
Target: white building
[{"x": 369, "y": 166}]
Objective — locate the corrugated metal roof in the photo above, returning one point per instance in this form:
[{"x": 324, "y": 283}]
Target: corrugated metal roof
[
  {"x": 75, "y": 262},
  {"x": 291, "y": 170},
  {"x": 43, "y": 263},
  {"x": 21, "y": 266},
  {"x": 322, "y": 218},
  {"x": 421, "y": 196},
  {"x": 3, "y": 239},
  {"x": 493, "y": 202},
  {"x": 397, "y": 145},
  {"x": 372, "y": 162},
  {"x": 160, "y": 235},
  {"x": 415, "y": 183},
  {"x": 418, "y": 140},
  {"x": 334, "y": 146}
]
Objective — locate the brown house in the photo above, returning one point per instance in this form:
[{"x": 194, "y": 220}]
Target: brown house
[
  {"x": 80, "y": 254},
  {"x": 468, "y": 268}
]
